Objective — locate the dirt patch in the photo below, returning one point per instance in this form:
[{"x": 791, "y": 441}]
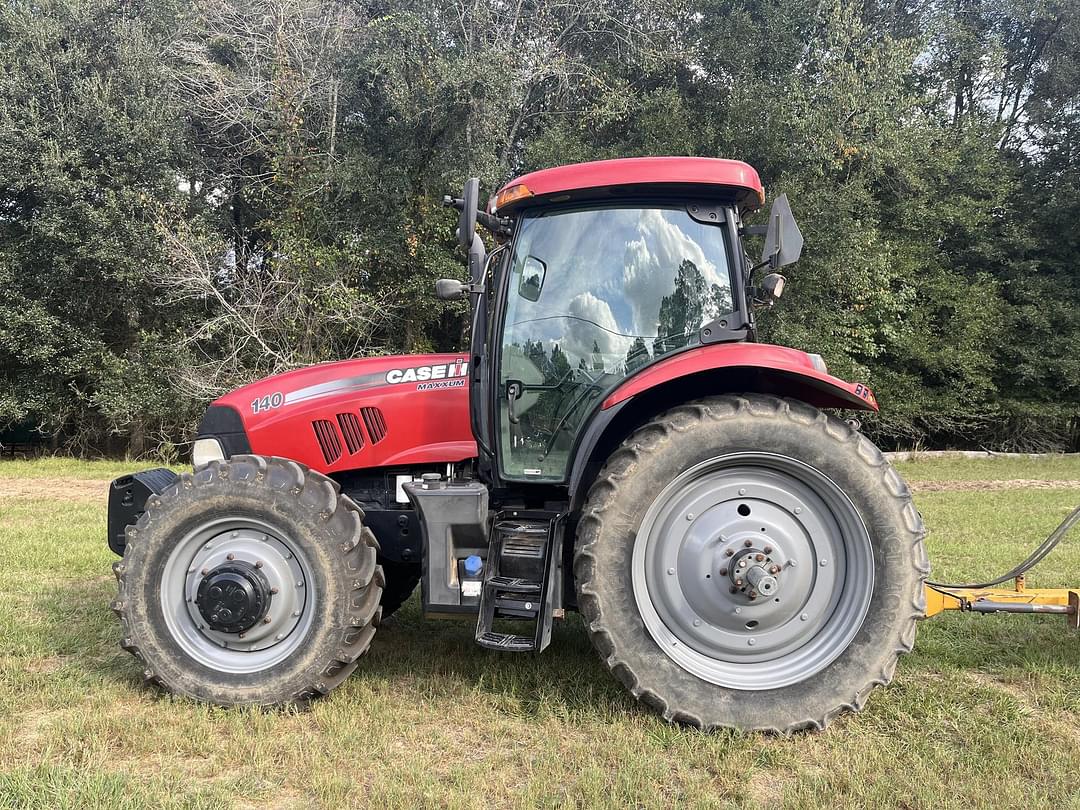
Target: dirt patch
[
  {"x": 989, "y": 486},
  {"x": 70, "y": 489}
]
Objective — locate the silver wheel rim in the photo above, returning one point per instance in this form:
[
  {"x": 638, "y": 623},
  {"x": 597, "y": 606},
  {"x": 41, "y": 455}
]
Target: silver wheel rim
[
  {"x": 286, "y": 569},
  {"x": 753, "y": 571}
]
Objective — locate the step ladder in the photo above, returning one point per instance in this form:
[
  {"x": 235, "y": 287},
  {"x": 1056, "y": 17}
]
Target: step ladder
[{"x": 524, "y": 576}]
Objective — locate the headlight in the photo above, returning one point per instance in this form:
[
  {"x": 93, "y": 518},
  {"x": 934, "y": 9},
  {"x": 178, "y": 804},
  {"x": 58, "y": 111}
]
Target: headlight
[{"x": 204, "y": 451}]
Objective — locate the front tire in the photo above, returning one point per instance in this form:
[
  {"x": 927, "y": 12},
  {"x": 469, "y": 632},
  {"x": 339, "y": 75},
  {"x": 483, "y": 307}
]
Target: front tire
[
  {"x": 705, "y": 494},
  {"x": 252, "y": 581}
]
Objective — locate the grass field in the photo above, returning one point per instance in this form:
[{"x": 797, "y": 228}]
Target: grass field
[{"x": 986, "y": 712}]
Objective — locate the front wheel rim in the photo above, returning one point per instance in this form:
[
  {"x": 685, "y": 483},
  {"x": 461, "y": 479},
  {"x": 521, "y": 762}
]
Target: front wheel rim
[
  {"x": 753, "y": 571},
  {"x": 225, "y": 542}
]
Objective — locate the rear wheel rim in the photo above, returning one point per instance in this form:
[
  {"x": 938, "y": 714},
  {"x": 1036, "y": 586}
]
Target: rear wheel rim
[
  {"x": 753, "y": 571},
  {"x": 281, "y": 562}
]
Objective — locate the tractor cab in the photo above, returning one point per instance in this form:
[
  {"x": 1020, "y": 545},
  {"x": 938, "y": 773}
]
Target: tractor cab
[{"x": 600, "y": 271}]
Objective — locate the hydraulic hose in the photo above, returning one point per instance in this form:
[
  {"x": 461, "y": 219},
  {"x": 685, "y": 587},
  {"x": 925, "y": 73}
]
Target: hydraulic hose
[{"x": 1032, "y": 560}]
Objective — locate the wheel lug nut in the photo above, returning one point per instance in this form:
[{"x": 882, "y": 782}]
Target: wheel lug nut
[
  {"x": 258, "y": 563},
  {"x": 728, "y": 552},
  {"x": 759, "y": 557},
  {"x": 738, "y": 582},
  {"x": 748, "y": 543},
  {"x": 230, "y": 556},
  {"x": 275, "y": 590},
  {"x": 768, "y": 549},
  {"x": 204, "y": 572},
  {"x": 266, "y": 620},
  {"x": 723, "y": 571},
  {"x": 733, "y": 589},
  {"x": 772, "y": 570}
]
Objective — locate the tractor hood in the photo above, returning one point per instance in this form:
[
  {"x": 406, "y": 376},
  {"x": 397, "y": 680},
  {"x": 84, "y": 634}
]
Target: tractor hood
[{"x": 352, "y": 414}]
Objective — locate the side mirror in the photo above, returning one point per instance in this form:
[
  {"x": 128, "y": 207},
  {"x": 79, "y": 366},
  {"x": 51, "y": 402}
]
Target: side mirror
[
  {"x": 467, "y": 221},
  {"x": 783, "y": 239},
  {"x": 773, "y": 286},
  {"x": 450, "y": 289},
  {"x": 532, "y": 278}
]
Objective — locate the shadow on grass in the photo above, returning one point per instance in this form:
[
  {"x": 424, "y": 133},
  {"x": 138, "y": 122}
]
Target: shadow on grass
[
  {"x": 72, "y": 621},
  {"x": 990, "y": 643},
  {"x": 439, "y": 658}
]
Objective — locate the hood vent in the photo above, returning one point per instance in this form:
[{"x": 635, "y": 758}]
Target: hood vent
[
  {"x": 329, "y": 442},
  {"x": 375, "y": 424},
  {"x": 350, "y": 429}
]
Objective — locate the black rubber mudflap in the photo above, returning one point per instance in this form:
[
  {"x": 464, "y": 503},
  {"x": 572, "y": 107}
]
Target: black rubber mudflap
[{"x": 127, "y": 501}]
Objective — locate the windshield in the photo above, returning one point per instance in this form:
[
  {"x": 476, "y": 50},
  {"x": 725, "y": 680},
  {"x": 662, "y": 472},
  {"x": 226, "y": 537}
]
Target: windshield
[{"x": 594, "y": 294}]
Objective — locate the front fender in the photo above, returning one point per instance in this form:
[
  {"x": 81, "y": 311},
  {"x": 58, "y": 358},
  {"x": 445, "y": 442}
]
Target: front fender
[{"x": 773, "y": 369}]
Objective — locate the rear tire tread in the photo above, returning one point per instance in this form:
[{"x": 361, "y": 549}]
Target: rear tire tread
[{"x": 683, "y": 418}]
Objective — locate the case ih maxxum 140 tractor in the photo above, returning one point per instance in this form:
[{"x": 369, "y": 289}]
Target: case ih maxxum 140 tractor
[{"x": 612, "y": 442}]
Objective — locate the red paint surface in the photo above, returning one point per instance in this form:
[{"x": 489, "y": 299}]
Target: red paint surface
[
  {"x": 797, "y": 376},
  {"x": 433, "y": 426},
  {"x": 639, "y": 171},
  {"x": 421, "y": 426}
]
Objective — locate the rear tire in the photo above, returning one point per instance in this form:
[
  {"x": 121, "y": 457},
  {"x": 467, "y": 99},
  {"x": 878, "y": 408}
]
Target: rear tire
[
  {"x": 299, "y": 545},
  {"x": 671, "y": 634}
]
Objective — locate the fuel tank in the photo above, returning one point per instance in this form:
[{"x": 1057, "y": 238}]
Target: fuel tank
[{"x": 354, "y": 414}]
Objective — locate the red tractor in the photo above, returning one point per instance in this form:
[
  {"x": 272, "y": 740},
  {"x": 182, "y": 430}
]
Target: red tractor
[{"x": 612, "y": 442}]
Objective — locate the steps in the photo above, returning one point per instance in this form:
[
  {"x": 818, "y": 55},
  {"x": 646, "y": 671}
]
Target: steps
[{"x": 523, "y": 575}]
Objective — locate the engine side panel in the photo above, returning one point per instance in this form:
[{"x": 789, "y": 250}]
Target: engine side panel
[{"x": 357, "y": 414}]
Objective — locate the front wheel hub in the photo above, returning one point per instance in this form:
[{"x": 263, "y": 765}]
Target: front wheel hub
[{"x": 233, "y": 598}]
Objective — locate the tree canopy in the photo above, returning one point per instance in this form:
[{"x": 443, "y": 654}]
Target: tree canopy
[{"x": 196, "y": 195}]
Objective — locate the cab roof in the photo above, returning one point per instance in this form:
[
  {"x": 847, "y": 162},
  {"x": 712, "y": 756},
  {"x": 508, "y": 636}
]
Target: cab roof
[{"x": 730, "y": 180}]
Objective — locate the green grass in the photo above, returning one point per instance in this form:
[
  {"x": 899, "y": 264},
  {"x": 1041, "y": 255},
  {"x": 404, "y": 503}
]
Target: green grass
[
  {"x": 1045, "y": 468},
  {"x": 984, "y": 712}
]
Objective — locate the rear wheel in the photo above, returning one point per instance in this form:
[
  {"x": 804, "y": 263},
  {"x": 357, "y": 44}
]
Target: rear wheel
[
  {"x": 251, "y": 581},
  {"x": 750, "y": 562}
]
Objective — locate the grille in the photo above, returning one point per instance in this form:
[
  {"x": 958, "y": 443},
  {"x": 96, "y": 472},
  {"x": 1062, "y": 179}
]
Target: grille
[
  {"x": 327, "y": 436},
  {"x": 350, "y": 429},
  {"x": 373, "y": 421}
]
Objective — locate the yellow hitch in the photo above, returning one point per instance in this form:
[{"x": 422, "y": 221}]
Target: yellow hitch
[{"x": 988, "y": 598}]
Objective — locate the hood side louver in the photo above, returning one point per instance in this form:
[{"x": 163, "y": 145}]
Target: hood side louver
[
  {"x": 375, "y": 424},
  {"x": 329, "y": 442},
  {"x": 350, "y": 429}
]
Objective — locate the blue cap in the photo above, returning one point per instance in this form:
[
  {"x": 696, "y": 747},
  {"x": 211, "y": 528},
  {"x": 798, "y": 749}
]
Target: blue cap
[{"x": 473, "y": 565}]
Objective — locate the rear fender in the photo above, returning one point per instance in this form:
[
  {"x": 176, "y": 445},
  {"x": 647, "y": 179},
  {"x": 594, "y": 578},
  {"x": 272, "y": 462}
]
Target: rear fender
[{"x": 707, "y": 371}]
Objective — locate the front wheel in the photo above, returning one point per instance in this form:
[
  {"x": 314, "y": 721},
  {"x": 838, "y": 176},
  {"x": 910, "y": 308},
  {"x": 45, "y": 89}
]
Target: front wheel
[
  {"x": 251, "y": 581},
  {"x": 750, "y": 562}
]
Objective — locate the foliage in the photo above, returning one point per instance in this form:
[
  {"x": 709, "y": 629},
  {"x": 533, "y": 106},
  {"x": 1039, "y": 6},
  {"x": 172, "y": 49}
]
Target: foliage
[{"x": 224, "y": 190}]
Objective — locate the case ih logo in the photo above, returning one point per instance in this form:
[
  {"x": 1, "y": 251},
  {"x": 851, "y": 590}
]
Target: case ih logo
[{"x": 452, "y": 373}]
